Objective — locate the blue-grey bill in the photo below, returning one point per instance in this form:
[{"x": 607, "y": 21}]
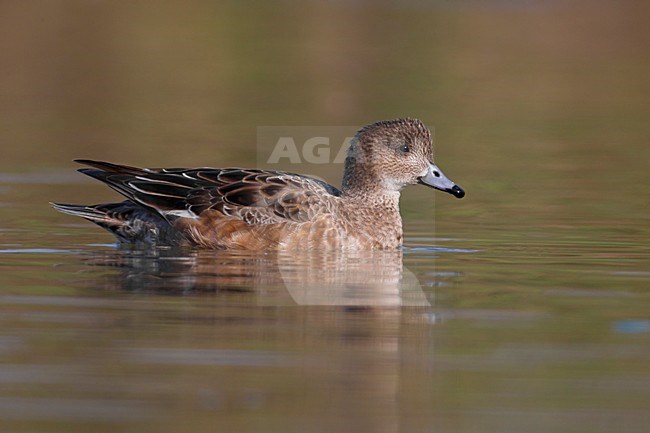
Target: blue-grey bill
[{"x": 435, "y": 178}]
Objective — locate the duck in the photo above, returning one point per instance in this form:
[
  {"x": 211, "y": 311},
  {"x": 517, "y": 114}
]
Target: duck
[{"x": 259, "y": 209}]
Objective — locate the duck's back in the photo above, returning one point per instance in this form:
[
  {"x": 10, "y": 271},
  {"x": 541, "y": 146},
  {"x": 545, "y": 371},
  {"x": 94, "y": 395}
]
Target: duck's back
[{"x": 210, "y": 207}]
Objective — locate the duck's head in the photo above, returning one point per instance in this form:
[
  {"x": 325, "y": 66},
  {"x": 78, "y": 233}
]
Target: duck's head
[{"x": 392, "y": 154}]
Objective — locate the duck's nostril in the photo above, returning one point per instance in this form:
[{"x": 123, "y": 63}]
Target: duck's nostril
[{"x": 436, "y": 173}]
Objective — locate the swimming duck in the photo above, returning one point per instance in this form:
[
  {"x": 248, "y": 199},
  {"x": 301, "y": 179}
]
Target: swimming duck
[{"x": 255, "y": 209}]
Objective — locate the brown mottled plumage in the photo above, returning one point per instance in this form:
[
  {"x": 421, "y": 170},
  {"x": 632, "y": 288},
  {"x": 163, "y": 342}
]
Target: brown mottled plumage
[{"x": 235, "y": 208}]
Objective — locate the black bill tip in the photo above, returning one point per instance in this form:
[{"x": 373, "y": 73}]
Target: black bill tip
[{"x": 457, "y": 191}]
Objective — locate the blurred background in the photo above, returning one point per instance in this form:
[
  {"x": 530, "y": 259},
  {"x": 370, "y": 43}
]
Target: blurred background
[
  {"x": 506, "y": 84},
  {"x": 529, "y": 100},
  {"x": 522, "y": 94},
  {"x": 541, "y": 112}
]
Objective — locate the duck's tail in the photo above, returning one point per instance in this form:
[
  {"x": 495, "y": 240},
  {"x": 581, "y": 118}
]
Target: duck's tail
[
  {"x": 128, "y": 221},
  {"x": 97, "y": 214}
]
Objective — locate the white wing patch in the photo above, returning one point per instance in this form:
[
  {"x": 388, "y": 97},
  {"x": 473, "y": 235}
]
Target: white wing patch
[{"x": 181, "y": 213}]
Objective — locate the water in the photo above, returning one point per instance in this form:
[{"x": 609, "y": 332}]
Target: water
[{"x": 522, "y": 307}]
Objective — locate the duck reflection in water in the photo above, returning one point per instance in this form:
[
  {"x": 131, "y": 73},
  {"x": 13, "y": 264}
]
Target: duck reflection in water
[
  {"x": 344, "y": 345},
  {"x": 359, "y": 278}
]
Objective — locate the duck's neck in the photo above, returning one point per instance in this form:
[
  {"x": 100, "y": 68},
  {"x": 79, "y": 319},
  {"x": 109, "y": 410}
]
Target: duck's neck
[
  {"x": 371, "y": 206},
  {"x": 375, "y": 216}
]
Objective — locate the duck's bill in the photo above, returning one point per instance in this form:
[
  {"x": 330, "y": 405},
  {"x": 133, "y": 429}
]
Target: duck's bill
[{"x": 437, "y": 179}]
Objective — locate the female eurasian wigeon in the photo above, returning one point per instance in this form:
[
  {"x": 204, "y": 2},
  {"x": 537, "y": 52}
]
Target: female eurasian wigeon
[{"x": 236, "y": 208}]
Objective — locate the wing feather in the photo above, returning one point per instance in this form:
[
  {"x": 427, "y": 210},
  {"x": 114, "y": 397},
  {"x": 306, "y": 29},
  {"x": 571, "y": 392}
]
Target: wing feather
[{"x": 250, "y": 195}]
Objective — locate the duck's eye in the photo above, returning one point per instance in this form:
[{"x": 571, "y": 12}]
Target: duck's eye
[{"x": 404, "y": 148}]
